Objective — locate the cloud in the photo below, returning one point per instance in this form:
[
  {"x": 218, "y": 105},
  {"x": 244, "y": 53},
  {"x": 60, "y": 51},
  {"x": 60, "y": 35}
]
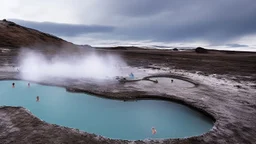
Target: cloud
[
  {"x": 65, "y": 29},
  {"x": 216, "y": 22}
]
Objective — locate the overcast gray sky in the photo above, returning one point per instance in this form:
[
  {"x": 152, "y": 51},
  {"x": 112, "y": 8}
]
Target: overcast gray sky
[{"x": 228, "y": 24}]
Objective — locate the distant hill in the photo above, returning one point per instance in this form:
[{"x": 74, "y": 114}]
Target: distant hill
[
  {"x": 13, "y": 36},
  {"x": 121, "y": 48},
  {"x": 85, "y": 46}
]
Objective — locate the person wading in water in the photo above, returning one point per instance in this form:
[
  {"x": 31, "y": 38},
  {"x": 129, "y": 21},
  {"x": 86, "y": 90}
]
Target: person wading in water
[
  {"x": 13, "y": 85},
  {"x": 37, "y": 99},
  {"x": 153, "y": 130}
]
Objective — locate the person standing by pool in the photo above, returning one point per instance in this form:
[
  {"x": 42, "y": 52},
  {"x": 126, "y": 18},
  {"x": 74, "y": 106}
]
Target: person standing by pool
[
  {"x": 153, "y": 130},
  {"x": 13, "y": 85},
  {"x": 131, "y": 75},
  {"x": 37, "y": 99}
]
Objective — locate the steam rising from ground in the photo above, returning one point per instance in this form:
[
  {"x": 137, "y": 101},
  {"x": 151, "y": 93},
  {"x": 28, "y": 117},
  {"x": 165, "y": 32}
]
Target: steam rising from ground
[{"x": 36, "y": 66}]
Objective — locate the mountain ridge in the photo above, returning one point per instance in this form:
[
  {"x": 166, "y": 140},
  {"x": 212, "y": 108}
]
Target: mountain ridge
[{"x": 13, "y": 35}]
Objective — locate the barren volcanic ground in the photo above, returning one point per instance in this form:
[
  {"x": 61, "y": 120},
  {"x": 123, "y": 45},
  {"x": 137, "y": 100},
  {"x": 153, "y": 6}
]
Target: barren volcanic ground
[{"x": 225, "y": 89}]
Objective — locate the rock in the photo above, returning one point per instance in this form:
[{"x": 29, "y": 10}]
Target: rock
[
  {"x": 238, "y": 86},
  {"x": 201, "y": 50},
  {"x": 11, "y": 24},
  {"x": 175, "y": 49}
]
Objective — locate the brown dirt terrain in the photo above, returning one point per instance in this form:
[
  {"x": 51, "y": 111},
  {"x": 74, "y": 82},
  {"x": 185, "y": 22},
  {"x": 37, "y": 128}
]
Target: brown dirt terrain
[
  {"x": 16, "y": 36},
  {"x": 242, "y": 65},
  {"x": 13, "y": 37}
]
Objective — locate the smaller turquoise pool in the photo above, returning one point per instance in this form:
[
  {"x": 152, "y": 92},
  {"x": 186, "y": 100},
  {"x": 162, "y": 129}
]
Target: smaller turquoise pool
[{"x": 110, "y": 118}]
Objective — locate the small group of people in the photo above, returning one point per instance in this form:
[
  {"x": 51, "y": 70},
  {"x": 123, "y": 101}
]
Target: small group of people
[
  {"x": 37, "y": 97},
  {"x": 13, "y": 85}
]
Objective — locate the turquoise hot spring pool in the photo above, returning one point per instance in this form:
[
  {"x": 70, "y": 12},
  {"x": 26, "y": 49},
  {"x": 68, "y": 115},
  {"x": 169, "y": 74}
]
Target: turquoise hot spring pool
[{"x": 115, "y": 119}]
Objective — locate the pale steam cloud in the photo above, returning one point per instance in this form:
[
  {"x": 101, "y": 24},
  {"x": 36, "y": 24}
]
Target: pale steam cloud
[{"x": 35, "y": 66}]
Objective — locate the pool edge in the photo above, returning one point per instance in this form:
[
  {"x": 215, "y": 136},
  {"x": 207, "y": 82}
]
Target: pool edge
[{"x": 165, "y": 97}]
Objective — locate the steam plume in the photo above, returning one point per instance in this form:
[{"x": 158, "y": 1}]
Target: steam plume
[{"x": 36, "y": 66}]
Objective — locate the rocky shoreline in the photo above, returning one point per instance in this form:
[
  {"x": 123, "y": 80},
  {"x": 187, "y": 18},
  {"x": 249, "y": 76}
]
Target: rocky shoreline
[{"x": 235, "y": 118}]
